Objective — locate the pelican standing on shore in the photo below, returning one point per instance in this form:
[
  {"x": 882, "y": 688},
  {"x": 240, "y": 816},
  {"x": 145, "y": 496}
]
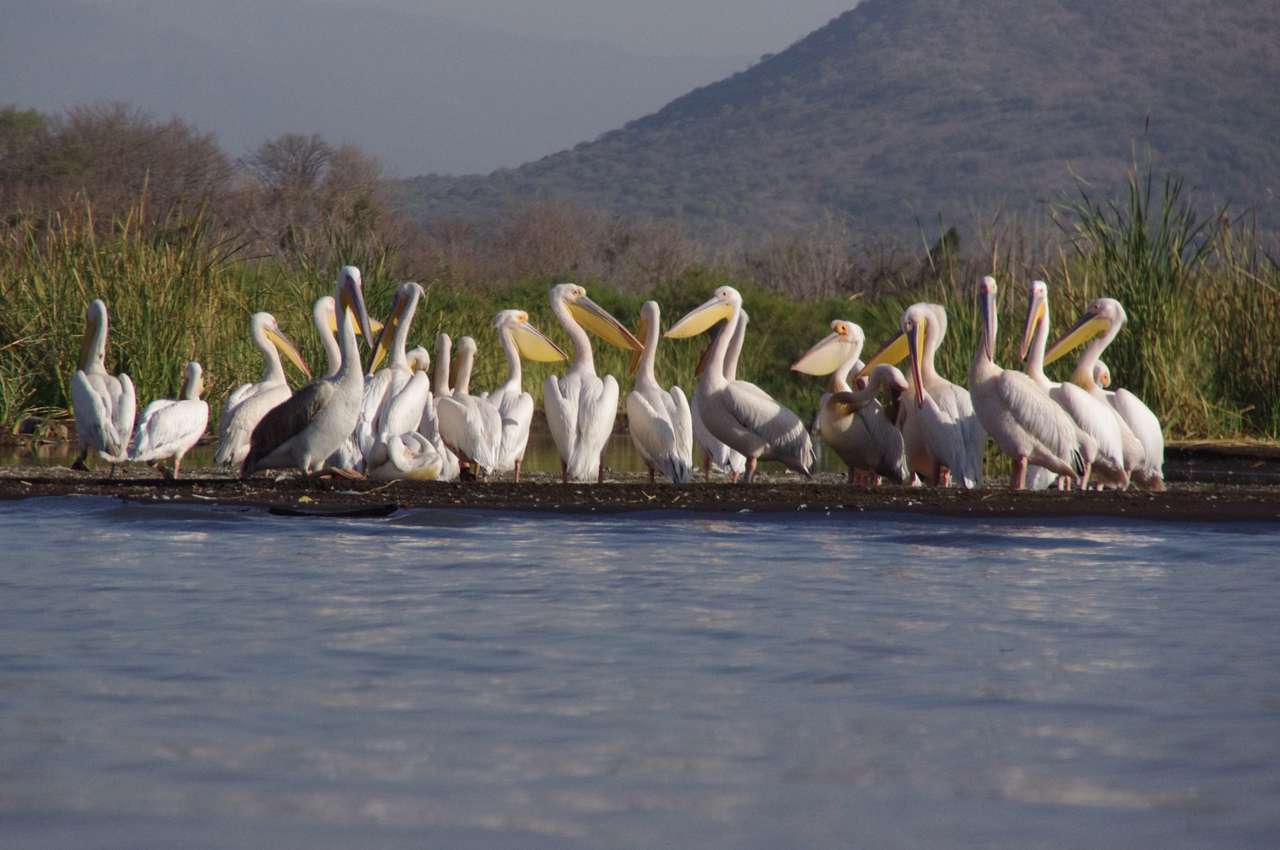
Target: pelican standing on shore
[
  {"x": 104, "y": 404},
  {"x": 518, "y": 339},
  {"x": 1098, "y": 326},
  {"x": 1091, "y": 414},
  {"x": 248, "y": 403},
  {"x": 383, "y": 385},
  {"x": 853, "y": 423},
  {"x": 940, "y": 430},
  {"x": 305, "y": 430},
  {"x": 716, "y": 454},
  {"x": 581, "y": 406},
  {"x": 170, "y": 427},
  {"x": 470, "y": 425},
  {"x": 659, "y": 420},
  {"x": 1025, "y": 423},
  {"x": 740, "y": 414}
]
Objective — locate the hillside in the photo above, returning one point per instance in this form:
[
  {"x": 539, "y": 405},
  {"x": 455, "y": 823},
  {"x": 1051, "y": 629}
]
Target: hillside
[
  {"x": 904, "y": 110},
  {"x": 421, "y": 92}
]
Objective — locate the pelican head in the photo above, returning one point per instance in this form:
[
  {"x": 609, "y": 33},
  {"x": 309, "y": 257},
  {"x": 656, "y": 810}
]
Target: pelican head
[
  {"x": 592, "y": 316},
  {"x": 270, "y": 328},
  {"x": 95, "y": 326},
  {"x": 350, "y": 297},
  {"x": 1103, "y": 316},
  {"x": 419, "y": 359},
  {"x": 193, "y": 384},
  {"x": 403, "y": 304},
  {"x": 987, "y": 292},
  {"x": 920, "y": 323},
  {"x": 721, "y": 305},
  {"x": 841, "y": 346},
  {"x": 532, "y": 343},
  {"x": 1101, "y": 374},
  {"x": 1037, "y": 308}
]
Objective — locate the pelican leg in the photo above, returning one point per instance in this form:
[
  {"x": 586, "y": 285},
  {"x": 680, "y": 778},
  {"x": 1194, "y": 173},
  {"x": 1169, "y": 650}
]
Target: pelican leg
[
  {"x": 1084, "y": 479},
  {"x": 751, "y": 470},
  {"x": 177, "y": 462},
  {"x": 733, "y": 477},
  {"x": 877, "y": 480},
  {"x": 651, "y": 474},
  {"x": 79, "y": 463},
  {"x": 600, "y": 471},
  {"x": 518, "y": 462},
  {"x": 1018, "y": 479},
  {"x": 564, "y": 472},
  {"x": 853, "y": 476},
  {"x": 706, "y": 465},
  {"x": 942, "y": 476}
]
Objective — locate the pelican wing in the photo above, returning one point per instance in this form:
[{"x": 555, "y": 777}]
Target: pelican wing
[
  {"x": 890, "y": 451},
  {"x": 472, "y": 427},
  {"x": 1051, "y": 437},
  {"x": 1146, "y": 427},
  {"x": 1095, "y": 418},
  {"x": 373, "y": 402},
  {"x": 654, "y": 435},
  {"x": 560, "y": 403},
  {"x": 233, "y": 441},
  {"x": 682, "y": 423},
  {"x": 516, "y": 410},
  {"x": 124, "y": 408},
  {"x": 723, "y": 458},
  {"x": 93, "y": 415},
  {"x": 170, "y": 428},
  {"x": 289, "y": 419},
  {"x": 776, "y": 433},
  {"x": 407, "y": 406},
  {"x": 242, "y": 393},
  {"x": 960, "y": 442}
]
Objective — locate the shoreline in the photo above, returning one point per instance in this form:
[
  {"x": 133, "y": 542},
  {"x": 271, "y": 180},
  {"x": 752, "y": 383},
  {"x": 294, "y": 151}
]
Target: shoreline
[{"x": 777, "y": 494}]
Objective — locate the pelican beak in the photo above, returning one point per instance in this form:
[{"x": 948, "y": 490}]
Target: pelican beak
[
  {"x": 86, "y": 343},
  {"x": 596, "y": 319},
  {"x": 352, "y": 299},
  {"x": 699, "y": 319},
  {"x": 987, "y": 304},
  {"x": 1086, "y": 329},
  {"x": 1035, "y": 315},
  {"x": 288, "y": 349},
  {"x": 388, "y": 332},
  {"x": 915, "y": 345},
  {"x": 893, "y": 353},
  {"x": 825, "y": 357},
  {"x": 534, "y": 345},
  {"x": 642, "y": 332}
]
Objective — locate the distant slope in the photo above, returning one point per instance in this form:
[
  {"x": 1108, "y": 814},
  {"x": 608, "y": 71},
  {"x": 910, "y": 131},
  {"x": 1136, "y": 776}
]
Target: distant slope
[
  {"x": 906, "y": 109},
  {"x": 423, "y": 93}
]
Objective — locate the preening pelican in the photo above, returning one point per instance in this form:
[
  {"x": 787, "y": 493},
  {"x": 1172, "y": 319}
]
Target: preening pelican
[
  {"x": 854, "y": 424},
  {"x": 740, "y": 414},
  {"x": 1025, "y": 423},
  {"x": 399, "y": 450},
  {"x": 383, "y": 385},
  {"x": 104, "y": 404},
  {"x": 1091, "y": 415},
  {"x": 470, "y": 425},
  {"x": 305, "y": 430},
  {"x": 659, "y": 420},
  {"x": 941, "y": 433},
  {"x": 1098, "y": 326},
  {"x": 170, "y": 427},
  {"x": 581, "y": 407},
  {"x": 248, "y": 403},
  {"x": 715, "y": 453},
  {"x": 429, "y": 425},
  {"x": 518, "y": 339}
]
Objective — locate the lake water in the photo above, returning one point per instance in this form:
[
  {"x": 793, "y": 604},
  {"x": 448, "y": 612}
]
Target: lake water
[{"x": 205, "y": 677}]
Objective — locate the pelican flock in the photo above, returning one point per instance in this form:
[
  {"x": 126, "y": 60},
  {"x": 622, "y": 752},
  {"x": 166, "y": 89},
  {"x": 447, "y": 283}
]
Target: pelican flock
[{"x": 405, "y": 422}]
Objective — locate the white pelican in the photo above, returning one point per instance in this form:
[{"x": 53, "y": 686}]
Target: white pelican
[
  {"x": 429, "y": 424},
  {"x": 581, "y": 407},
  {"x": 383, "y": 385},
  {"x": 399, "y": 451},
  {"x": 1091, "y": 415},
  {"x": 659, "y": 420},
  {"x": 941, "y": 433},
  {"x": 854, "y": 424},
  {"x": 325, "y": 317},
  {"x": 738, "y": 413},
  {"x": 1098, "y": 326},
  {"x": 170, "y": 427},
  {"x": 470, "y": 425},
  {"x": 1025, "y": 423},
  {"x": 518, "y": 339},
  {"x": 715, "y": 453},
  {"x": 248, "y": 403},
  {"x": 104, "y": 404},
  {"x": 305, "y": 430}
]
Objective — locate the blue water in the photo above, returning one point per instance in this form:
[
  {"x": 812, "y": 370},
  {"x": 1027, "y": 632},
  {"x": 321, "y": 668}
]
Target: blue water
[{"x": 210, "y": 677}]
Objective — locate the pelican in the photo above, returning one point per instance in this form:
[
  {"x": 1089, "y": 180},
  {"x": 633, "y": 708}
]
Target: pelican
[
  {"x": 104, "y": 404},
  {"x": 518, "y": 339},
  {"x": 248, "y": 403},
  {"x": 941, "y": 433},
  {"x": 470, "y": 425},
  {"x": 659, "y": 420},
  {"x": 740, "y": 414},
  {"x": 581, "y": 407},
  {"x": 1025, "y": 423},
  {"x": 324, "y": 315},
  {"x": 1098, "y": 326},
  {"x": 383, "y": 385},
  {"x": 399, "y": 450},
  {"x": 429, "y": 424},
  {"x": 305, "y": 430},
  {"x": 1090, "y": 414},
  {"x": 170, "y": 427},
  {"x": 715, "y": 453},
  {"x": 854, "y": 424}
]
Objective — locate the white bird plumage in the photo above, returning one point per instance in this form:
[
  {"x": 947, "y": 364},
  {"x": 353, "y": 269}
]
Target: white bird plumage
[
  {"x": 739, "y": 413},
  {"x": 515, "y": 406},
  {"x": 715, "y": 454},
  {"x": 104, "y": 404},
  {"x": 470, "y": 425},
  {"x": 581, "y": 406},
  {"x": 171, "y": 427},
  {"x": 659, "y": 421},
  {"x": 248, "y": 403}
]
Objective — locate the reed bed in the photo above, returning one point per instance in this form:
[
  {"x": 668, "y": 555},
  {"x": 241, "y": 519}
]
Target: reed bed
[{"x": 1201, "y": 345}]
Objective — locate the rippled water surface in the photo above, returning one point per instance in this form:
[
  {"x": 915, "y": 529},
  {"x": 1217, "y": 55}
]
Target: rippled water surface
[{"x": 174, "y": 676}]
